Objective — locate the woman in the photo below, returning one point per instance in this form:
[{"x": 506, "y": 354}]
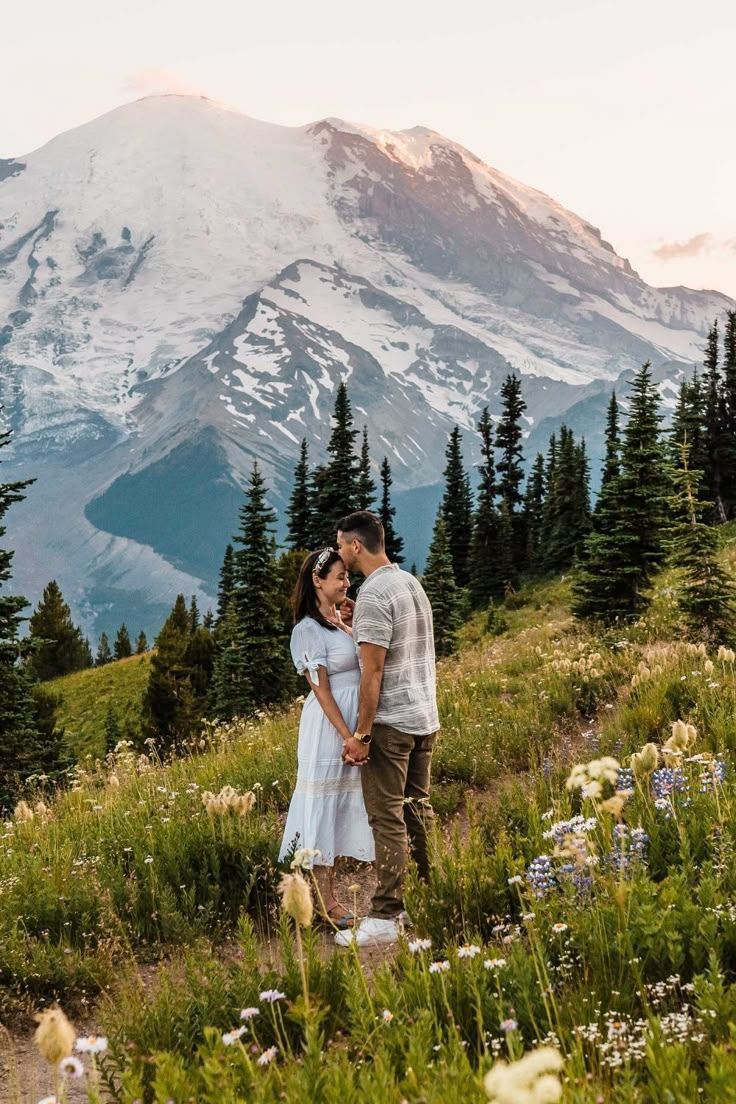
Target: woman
[{"x": 327, "y": 811}]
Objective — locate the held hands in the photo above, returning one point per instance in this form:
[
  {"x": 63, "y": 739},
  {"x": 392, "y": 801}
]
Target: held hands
[
  {"x": 345, "y": 613},
  {"x": 354, "y": 752}
]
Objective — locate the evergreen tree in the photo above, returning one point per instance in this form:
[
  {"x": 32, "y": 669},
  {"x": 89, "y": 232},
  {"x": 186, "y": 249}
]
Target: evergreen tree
[
  {"x": 122, "y": 647},
  {"x": 485, "y": 581},
  {"x": 688, "y": 424},
  {"x": 713, "y": 443},
  {"x": 113, "y": 732},
  {"x": 387, "y": 512},
  {"x": 227, "y": 583},
  {"x": 728, "y": 417},
  {"x": 568, "y": 503},
  {"x": 550, "y": 502},
  {"x": 228, "y": 695},
  {"x": 611, "y": 461},
  {"x": 299, "y": 510},
  {"x": 199, "y": 660},
  {"x": 58, "y": 645},
  {"x": 534, "y": 515},
  {"x": 168, "y": 698},
  {"x": 627, "y": 544},
  {"x": 208, "y": 621},
  {"x": 22, "y": 749},
  {"x": 508, "y": 564},
  {"x": 707, "y": 597},
  {"x": 457, "y": 509},
  {"x": 366, "y": 488},
  {"x": 256, "y": 634},
  {"x": 337, "y": 481},
  {"x": 141, "y": 644},
  {"x": 104, "y": 655},
  {"x": 53, "y": 758},
  {"x": 194, "y": 618},
  {"x": 442, "y": 591},
  {"x": 510, "y": 466}
]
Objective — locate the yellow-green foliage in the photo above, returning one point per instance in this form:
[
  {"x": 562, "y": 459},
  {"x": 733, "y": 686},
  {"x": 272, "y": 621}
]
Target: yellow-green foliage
[{"x": 86, "y": 696}]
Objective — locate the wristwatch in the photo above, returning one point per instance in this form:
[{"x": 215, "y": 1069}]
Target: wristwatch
[{"x": 364, "y": 737}]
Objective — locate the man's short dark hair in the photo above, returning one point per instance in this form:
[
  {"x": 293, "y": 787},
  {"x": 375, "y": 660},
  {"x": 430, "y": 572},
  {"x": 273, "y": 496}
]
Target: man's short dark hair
[{"x": 367, "y": 528}]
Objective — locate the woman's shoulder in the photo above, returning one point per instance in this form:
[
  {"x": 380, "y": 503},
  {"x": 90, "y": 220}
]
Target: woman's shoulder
[{"x": 308, "y": 626}]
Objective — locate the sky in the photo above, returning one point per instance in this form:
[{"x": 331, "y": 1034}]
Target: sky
[{"x": 622, "y": 112}]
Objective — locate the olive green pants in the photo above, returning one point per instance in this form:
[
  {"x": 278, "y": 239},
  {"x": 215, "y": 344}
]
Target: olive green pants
[{"x": 396, "y": 793}]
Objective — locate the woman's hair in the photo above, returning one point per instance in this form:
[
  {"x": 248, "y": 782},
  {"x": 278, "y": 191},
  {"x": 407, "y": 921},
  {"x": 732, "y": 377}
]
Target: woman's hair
[{"x": 304, "y": 601}]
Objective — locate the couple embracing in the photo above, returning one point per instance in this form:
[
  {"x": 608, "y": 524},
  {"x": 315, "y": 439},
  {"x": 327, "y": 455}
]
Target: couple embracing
[{"x": 368, "y": 726}]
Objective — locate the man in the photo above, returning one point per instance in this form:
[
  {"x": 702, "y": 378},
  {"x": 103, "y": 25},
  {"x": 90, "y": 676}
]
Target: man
[{"x": 397, "y": 718}]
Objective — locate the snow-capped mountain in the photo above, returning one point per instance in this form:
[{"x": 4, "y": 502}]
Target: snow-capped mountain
[{"x": 182, "y": 287}]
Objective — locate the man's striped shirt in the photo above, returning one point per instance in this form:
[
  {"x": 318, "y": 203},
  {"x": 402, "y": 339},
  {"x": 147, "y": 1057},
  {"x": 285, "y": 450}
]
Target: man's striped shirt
[{"x": 393, "y": 611}]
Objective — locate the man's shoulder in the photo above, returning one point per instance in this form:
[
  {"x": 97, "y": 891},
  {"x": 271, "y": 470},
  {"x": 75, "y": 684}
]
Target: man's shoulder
[{"x": 389, "y": 582}]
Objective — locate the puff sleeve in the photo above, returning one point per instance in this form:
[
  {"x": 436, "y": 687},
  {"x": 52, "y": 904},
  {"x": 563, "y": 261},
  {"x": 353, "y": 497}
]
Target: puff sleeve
[{"x": 308, "y": 649}]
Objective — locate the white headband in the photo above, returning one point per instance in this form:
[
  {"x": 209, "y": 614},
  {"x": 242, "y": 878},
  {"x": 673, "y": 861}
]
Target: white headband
[{"x": 322, "y": 559}]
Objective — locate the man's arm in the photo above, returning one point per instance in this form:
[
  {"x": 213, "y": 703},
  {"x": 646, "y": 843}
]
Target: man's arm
[{"x": 373, "y": 657}]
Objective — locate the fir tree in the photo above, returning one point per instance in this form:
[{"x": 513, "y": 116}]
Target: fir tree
[
  {"x": 257, "y": 630},
  {"x": 707, "y": 596},
  {"x": 227, "y": 583},
  {"x": 337, "y": 481},
  {"x": 141, "y": 644},
  {"x": 122, "y": 647},
  {"x": 627, "y": 544},
  {"x": 104, "y": 655},
  {"x": 457, "y": 509},
  {"x": 442, "y": 591},
  {"x": 168, "y": 698},
  {"x": 485, "y": 581},
  {"x": 387, "y": 512},
  {"x": 568, "y": 504},
  {"x": 208, "y": 621},
  {"x": 366, "y": 487},
  {"x": 58, "y": 645},
  {"x": 113, "y": 732},
  {"x": 713, "y": 412},
  {"x": 611, "y": 461},
  {"x": 507, "y": 562},
  {"x": 510, "y": 466},
  {"x": 728, "y": 417},
  {"x": 228, "y": 695},
  {"x": 299, "y": 510},
  {"x": 22, "y": 750},
  {"x": 199, "y": 660},
  {"x": 534, "y": 500}
]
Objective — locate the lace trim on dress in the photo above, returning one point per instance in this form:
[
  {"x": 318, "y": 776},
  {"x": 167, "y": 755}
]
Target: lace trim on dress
[{"x": 328, "y": 786}]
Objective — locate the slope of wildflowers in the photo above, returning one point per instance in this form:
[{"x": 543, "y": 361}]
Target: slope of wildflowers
[{"x": 581, "y": 909}]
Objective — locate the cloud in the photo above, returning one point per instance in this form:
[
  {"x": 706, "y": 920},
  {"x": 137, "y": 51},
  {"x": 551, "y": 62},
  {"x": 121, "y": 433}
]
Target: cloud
[
  {"x": 671, "y": 251},
  {"x": 160, "y": 82}
]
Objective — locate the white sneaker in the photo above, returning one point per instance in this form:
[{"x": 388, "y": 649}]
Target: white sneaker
[
  {"x": 405, "y": 921},
  {"x": 369, "y": 932}
]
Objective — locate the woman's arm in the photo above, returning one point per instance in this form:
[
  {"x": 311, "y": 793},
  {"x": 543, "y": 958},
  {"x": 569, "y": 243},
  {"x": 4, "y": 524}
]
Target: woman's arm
[{"x": 330, "y": 708}]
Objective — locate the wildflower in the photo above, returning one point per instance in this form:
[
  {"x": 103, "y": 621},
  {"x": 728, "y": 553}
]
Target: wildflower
[
  {"x": 540, "y": 875},
  {"x": 559, "y": 928},
  {"x": 417, "y": 945},
  {"x": 304, "y": 858},
  {"x": 439, "y": 967},
  {"x": 54, "y": 1035},
  {"x": 387, "y": 1016},
  {"x": 516, "y": 879},
  {"x": 268, "y": 1056},
  {"x": 614, "y": 805},
  {"x": 470, "y": 950},
  {"x": 244, "y": 803},
  {"x": 71, "y": 1066},
  {"x": 644, "y": 762},
  {"x": 148, "y": 860},
  {"x": 494, "y": 963},
  {"x": 92, "y": 1044},
  {"x": 114, "y": 782},
  {"x": 23, "y": 812},
  {"x": 508, "y": 1025},
  {"x": 249, "y": 1013},
  {"x": 296, "y": 898},
  {"x": 272, "y": 995},
  {"x": 531, "y": 1080},
  {"x": 726, "y": 655},
  {"x": 231, "y": 1037},
  {"x": 708, "y": 667}
]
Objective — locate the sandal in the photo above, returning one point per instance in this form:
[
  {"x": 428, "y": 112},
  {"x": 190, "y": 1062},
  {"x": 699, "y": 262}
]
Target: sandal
[{"x": 338, "y": 918}]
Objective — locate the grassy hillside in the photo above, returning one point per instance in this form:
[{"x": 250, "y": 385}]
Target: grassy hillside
[{"x": 87, "y": 696}]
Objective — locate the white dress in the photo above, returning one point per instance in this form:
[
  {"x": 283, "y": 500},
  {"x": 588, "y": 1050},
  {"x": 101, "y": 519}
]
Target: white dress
[{"x": 327, "y": 810}]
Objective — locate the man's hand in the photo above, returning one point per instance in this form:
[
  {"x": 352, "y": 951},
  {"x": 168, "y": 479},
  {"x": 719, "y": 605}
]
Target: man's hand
[
  {"x": 354, "y": 752},
  {"x": 345, "y": 612}
]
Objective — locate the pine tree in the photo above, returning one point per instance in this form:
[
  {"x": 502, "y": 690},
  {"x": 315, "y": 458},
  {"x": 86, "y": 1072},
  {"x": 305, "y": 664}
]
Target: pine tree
[
  {"x": 534, "y": 500},
  {"x": 457, "y": 509},
  {"x": 627, "y": 544},
  {"x": 194, "y": 619},
  {"x": 508, "y": 564},
  {"x": 299, "y": 510},
  {"x": 688, "y": 424},
  {"x": 256, "y": 633},
  {"x": 387, "y": 512},
  {"x": 122, "y": 647},
  {"x": 208, "y": 621},
  {"x": 22, "y": 750},
  {"x": 728, "y": 417},
  {"x": 442, "y": 591},
  {"x": 227, "y": 583},
  {"x": 510, "y": 466},
  {"x": 713, "y": 443},
  {"x": 707, "y": 596},
  {"x": 113, "y": 732},
  {"x": 611, "y": 461},
  {"x": 366, "y": 487},
  {"x": 568, "y": 504},
  {"x": 168, "y": 698},
  {"x": 485, "y": 581},
  {"x": 58, "y": 645},
  {"x": 104, "y": 655},
  {"x": 141, "y": 644},
  {"x": 337, "y": 487}
]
